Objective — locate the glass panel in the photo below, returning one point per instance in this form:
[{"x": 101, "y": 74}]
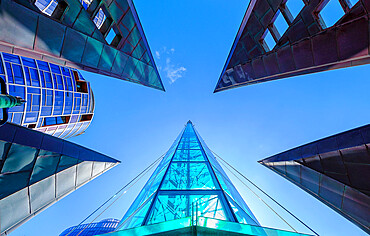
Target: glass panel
[
  {"x": 182, "y": 175},
  {"x": 66, "y": 162},
  {"x": 46, "y": 165},
  {"x": 20, "y": 158},
  {"x": 188, "y": 155},
  {"x": 137, "y": 217}
]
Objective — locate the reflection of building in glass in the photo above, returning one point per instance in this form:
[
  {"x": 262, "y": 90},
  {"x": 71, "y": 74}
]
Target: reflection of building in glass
[
  {"x": 190, "y": 194},
  {"x": 37, "y": 170},
  {"x": 59, "y": 100},
  {"x": 335, "y": 170},
  {"x": 102, "y": 227}
]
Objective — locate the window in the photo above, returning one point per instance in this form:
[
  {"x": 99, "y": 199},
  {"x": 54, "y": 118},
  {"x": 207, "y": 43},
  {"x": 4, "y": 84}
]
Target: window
[
  {"x": 294, "y": 7},
  {"x": 268, "y": 42},
  {"x": 86, "y": 117},
  {"x": 280, "y": 24},
  {"x": 52, "y": 8},
  {"x": 48, "y": 121},
  {"x": 329, "y": 13},
  {"x": 113, "y": 38}
]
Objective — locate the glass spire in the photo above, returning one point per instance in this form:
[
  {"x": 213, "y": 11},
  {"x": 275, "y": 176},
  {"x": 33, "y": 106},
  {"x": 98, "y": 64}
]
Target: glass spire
[{"x": 189, "y": 179}]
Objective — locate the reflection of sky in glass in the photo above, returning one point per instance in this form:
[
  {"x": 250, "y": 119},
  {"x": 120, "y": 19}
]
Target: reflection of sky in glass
[{"x": 332, "y": 12}]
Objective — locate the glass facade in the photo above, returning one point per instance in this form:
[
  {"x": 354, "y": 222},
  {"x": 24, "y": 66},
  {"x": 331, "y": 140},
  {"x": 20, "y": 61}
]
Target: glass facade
[
  {"x": 36, "y": 170},
  {"x": 59, "y": 100},
  {"x": 188, "y": 181},
  {"x": 102, "y": 227}
]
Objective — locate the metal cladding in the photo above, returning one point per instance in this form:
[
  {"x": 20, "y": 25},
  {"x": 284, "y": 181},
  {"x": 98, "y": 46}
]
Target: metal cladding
[
  {"x": 305, "y": 46},
  {"x": 66, "y": 33},
  {"x": 37, "y": 169},
  {"x": 335, "y": 170}
]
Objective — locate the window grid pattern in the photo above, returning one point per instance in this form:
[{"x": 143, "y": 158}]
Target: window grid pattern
[
  {"x": 101, "y": 227},
  {"x": 50, "y": 91},
  {"x": 187, "y": 181}
]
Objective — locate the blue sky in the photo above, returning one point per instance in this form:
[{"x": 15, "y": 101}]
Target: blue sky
[{"x": 136, "y": 124}]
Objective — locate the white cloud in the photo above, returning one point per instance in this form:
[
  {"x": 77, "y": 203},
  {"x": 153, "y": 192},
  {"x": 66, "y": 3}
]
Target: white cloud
[{"x": 172, "y": 72}]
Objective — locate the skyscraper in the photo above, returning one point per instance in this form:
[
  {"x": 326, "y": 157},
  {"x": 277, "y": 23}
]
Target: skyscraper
[
  {"x": 100, "y": 36},
  {"x": 335, "y": 170},
  {"x": 37, "y": 170},
  {"x": 60, "y": 101},
  {"x": 283, "y": 38},
  {"x": 89, "y": 229},
  {"x": 190, "y": 194}
]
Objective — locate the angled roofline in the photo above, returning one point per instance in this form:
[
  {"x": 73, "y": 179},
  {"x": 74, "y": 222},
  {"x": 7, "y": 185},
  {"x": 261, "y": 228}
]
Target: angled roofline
[
  {"x": 236, "y": 40},
  {"x": 141, "y": 30}
]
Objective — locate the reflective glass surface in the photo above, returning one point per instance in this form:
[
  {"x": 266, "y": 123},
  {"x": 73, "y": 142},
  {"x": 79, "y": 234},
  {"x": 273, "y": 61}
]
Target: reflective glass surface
[
  {"x": 189, "y": 181},
  {"x": 50, "y": 91}
]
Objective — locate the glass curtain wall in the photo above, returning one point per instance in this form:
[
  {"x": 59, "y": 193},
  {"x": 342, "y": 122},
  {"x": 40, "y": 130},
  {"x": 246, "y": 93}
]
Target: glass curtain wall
[{"x": 189, "y": 179}]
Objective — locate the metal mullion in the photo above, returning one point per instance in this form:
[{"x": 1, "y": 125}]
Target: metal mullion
[
  {"x": 41, "y": 92},
  {"x": 5, "y": 72},
  {"x": 190, "y": 192},
  {"x": 145, "y": 220},
  {"x": 223, "y": 199},
  {"x": 25, "y": 90},
  {"x": 53, "y": 89}
]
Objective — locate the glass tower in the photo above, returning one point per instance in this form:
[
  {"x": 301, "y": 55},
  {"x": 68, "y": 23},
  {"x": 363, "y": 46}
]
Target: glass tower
[
  {"x": 103, "y": 226},
  {"x": 60, "y": 101},
  {"x": 188, "y": 179}
]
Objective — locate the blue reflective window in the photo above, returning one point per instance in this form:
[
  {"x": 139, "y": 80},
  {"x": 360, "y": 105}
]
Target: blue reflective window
[
  {"x": 48, "y": 80},
  {"x": 28, "y": 62},
  {"x": 74, "y": 119},
  {"x": 11, "y": 58},
  {"x": 46, "y": 111},
  {"x": 1, "y": 67},
  {"x": 68, "y": 83},
  {"x": 59, "y": 102},
  {"x": 9, "y": 72},
  {"x": 65, "y": 71},
  {"x": 34, "y": 90},
  {"x": 17, "y": 118},
  {"x": 31, "y": 117},
  {"x": 18, "y": 74},
  {"x": 68, "y": 103},
  {"x": 55, "y": 68},
  {"x": 58, "y": 82},
  {"x": 28, "y": 77},
  {"x": 34, "y": 78},
  {"x": 77, "y": 105},
  {"x": 43, "y": 65}
]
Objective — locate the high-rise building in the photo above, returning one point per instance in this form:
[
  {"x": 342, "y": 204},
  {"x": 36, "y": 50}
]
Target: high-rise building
[
  {"x": 37, "y": 170},
  {"x": 190, "y": 194},
  {"x": 101, "y": 227},
  {"x": 100, "y": 36},
  {"x": 283, "y": 38},
  {"x": 60, "y": 101},
  {"x": 335, "y": 170}
]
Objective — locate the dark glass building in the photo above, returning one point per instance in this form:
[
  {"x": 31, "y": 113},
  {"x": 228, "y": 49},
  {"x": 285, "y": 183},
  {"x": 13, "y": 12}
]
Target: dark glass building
[
  {"x": 283, "y": 38},
  {"x": 60, "y": 101},
  {"x": 100, "y": 36},
  {"x": 37, "y": 170},
  {"x": 335, "y": 170},
  {"x": 102, "y": 227}
]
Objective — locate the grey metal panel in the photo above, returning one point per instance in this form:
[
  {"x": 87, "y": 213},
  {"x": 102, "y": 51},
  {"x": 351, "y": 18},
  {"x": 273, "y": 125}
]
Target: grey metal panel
[
  {"x": 13, "y": 209},
  {"x": 42, "y": 193},
  {"x": 65, "y": 181},
  {"x": 98, "y": 167},
  {"x": 84, "y": 171}
]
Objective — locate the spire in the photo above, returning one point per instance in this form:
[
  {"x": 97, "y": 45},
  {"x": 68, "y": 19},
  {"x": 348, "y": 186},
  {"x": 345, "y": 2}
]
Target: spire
[{"x": 188, "y": 179}]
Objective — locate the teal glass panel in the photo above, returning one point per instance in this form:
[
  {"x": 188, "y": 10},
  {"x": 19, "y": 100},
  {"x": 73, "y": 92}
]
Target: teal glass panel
[
  {"x": 208, "y": 206},
  {"x": 171, "y": 207},
  {"x": 185, "y": 175},
  {"x": 20, "y": 158},
  {"x": 188, "y": 155},
  {"x": 46, "y": 165},
  {"x": 240, "y": 214},
  {"x": 137, "y": 217},
  {"x": 66, "y": 162}
]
